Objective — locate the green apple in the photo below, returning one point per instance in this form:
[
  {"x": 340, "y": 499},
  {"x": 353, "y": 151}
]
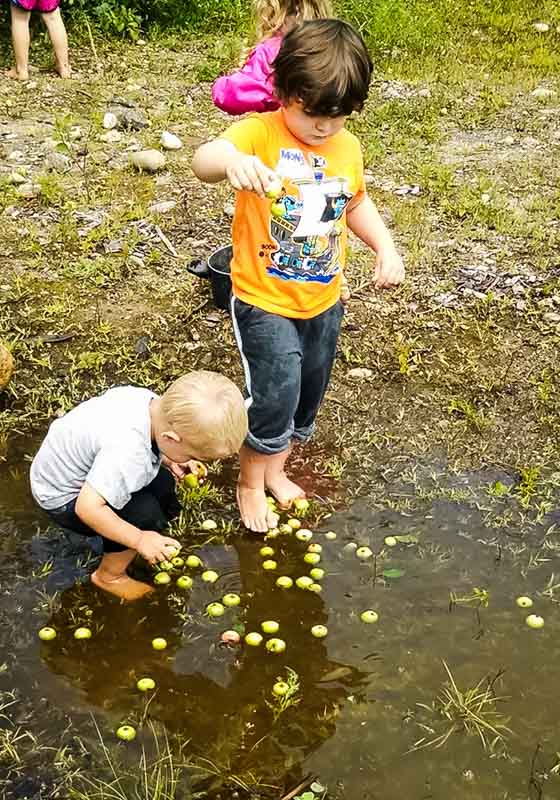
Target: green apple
[
  {"x": 269, "y": 626},
  {"x": 47, "y": 634},
  {"x": 316, "y": 587},
  {"x": 284, "y": 582},
  {"x": 301, "y": 505},
  {"x": 230, "y": 637},
  {"x": 126, "y": 732},
  {"x": 266, "y": 552},
  {"x": 185, "y": 582},
  {"x": 210, "y": 576},
  {"x": 159, "y": 643},
  {"x": 317, "y": 573},
  {"x": 280, "y": 689},
  {"x": 271, "y": 501},
  {"x": 82, "y": 633},
  {"x": 215, "y": 610},
  {"x": 330, "y": 535},
  {"x": 364, "y": 553},
  {"x": 166, "y": 566},
  {"x": 253, "y": 639},
  {"x": 274, "y": 189},
  {"x": 178, "y": 561},
  {"x": 312, "y": 558},
  {"x": 276, "y": 645},
  {"x": 319, "y": 631},
  {"x": 294, "y": 524},
  {"x": 162, "y": 577},
  {"x": 314, "y": 548},
  {"x": 304, "y": 582},
  {"x": 272, "y": 534},
  {"x": 231, "y": 600},
  {"x": 193, "y": 562},
  {"x": 270, "y": 565},
  {"x": 534, "y": 621},
  {"x": 369, "y": 617},
  {"x": 209, "y": 525},
  {"x": 303, "y": 535},
  {"x": 277, "y": 209},
  {"x": 146, "y": 684},
  {"x": 524, "y": 602},
  {"x": 191, "y": 480},
  {"x": 390, "y": 541},
  {"x": 285, "y": 529}
]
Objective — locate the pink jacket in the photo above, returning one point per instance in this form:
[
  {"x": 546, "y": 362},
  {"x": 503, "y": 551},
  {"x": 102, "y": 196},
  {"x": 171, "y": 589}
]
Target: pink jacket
[{"x": 250, "y": 88}]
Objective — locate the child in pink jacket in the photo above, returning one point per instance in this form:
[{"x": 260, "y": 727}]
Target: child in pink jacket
[{"x": 250, "y": 88}]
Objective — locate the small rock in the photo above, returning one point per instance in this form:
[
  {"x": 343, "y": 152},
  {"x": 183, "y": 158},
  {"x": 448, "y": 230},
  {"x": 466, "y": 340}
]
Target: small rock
[
  {"x": 148, "y": 160},
  {"x": 162, "y": 208},
  {"x": 57, "y": 162},
  {"x": 509, "y": 140},
  {"x": 229, "y": 209},
  {"x": 131, "y": 119},
  {"x": 76, "y": 133},
  {"x": 485, "y": 198},
  {"x": 170, "y": 142},
  {"x": 32, "y": 85},
  {"x": 110, "y": 121},
  {"x": 552, "y": 317},
  {"x": 360, "y": 373},
  {"x": 16, "y": 155},
  {"x": 112, "y": 136},
  {"x": 541, "y": 27},
  {"x": 542, "y": 92},
  {"x": 50, "y": 144},
  {"x": 140, "y": 42},
  {"x": 424, "y": 93},
  {"x": 100, "y": 157},
  {"x": 27, "y": 190},
  {"x": 368, "y": 179},
  {"x": 17, "y": 179},
  {"x": 136, "y": 261}
]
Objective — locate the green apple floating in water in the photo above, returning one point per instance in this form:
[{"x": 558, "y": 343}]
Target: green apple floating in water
[
  {"x": 47, "y": 634},
  {"x": 319, "y": 631},
  {"x": 126, "y": 732},
  {"x": 230, "y": 637},
  {"x": 312, "y": 558},
  {"x": 524, "y": 602},
  {"x": 253, "y": 639},
  {"x": 162, "y": 578},
  {"x": 316, "y": 587},
  {"x": 271, "y": 501},
  {"x": 317, "y": 573},
  {"x": 269, "y": 626},
  {"x": 166, "y": 566},
  {"x": 369, "y": 617},
  {"x": 146, "y": 684},
  {"x": 284, "y": 582},
  {"x": 280, "y": 689},
  {"x": 303, "y": 535},
  {"x": 82, "y": 633},
  {"x": 294, "y": 524},
  {"x": 534, "y": 621},
  {"x": 174, "y": 551},
  {"x": 209, "y": 525},
  {"x": 210, "y": 576},
  {"x": 231, "y": 600},
  {"x": 185, "y": 582},
  {"x": 390, "y": 541},
  {"x": 215, "y": 610},
  {"x": 301, "y": 505},
  {"x": 178, "y": 561},
  {"x": 193, "y": 562},
  {"x": 285, "y": 529},
  {"x": 314, "y": 548},
  {"x": 364, "y": 553},
  {"x": 330, "y": 535},
  {"x": 269, "y": 565},
  {"x": 304, "y": 582},
  {"x": 266, "y": 552},
  {"x": 276, "y": 645},
  {"x": 272, "y": 534},
  {"x": 159, "y": 643}
]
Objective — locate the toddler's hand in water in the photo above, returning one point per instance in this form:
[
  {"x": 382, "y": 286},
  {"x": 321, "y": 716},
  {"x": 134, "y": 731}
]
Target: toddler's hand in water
[{"x": 250, "y": 174}]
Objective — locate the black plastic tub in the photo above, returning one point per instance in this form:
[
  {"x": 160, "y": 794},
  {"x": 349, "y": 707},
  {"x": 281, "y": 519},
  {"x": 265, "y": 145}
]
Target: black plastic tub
[{"x": 217, "y": 270}]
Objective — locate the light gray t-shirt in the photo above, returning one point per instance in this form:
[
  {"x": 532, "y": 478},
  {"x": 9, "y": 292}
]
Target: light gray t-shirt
[{"x": 105, "y": 441}]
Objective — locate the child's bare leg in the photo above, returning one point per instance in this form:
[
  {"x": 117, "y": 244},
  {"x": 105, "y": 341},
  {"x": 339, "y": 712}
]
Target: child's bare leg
[
  {"x": 256, "y": 514},
  {"x": 277, "y": 482},
  {"x": 111, "y": 576},
  {"x": 20, "y": 40},
  {"x": 59, "y": 40}
]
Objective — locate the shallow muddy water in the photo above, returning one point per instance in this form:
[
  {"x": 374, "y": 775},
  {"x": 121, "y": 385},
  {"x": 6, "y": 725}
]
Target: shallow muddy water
[{"x": 358, "y": 715}]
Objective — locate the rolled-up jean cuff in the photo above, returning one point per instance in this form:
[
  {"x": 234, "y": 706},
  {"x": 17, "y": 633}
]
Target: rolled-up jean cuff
[
  {"x": 270, "y": 447},
  {"x": 304, "y": 434}
]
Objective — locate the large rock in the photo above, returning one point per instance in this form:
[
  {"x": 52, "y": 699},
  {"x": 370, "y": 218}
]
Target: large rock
[
  {"x": 6, "y": 366},
  {"x": 148, "y": 160}
]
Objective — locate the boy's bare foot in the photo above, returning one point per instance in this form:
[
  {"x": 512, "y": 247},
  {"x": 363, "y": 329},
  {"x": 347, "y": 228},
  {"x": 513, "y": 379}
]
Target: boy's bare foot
[
  {"x": 18, "y": 74},
  {"x": 284, "y": 490},
  {"x": 345, "y": 293},
  {"x": 64, "y": 70},
  {"x": 122, "y": 586},
  {"x": 255, "y": 512}
]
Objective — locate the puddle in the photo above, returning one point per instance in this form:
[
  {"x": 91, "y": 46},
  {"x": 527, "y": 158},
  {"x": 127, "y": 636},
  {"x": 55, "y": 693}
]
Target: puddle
[{"x": 358, "y": 715}]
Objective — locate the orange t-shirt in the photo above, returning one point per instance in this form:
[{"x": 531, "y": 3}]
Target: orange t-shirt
[{"x": 288, "y": 253}]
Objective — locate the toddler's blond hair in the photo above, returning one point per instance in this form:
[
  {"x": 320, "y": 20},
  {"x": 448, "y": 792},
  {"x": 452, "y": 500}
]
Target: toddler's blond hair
[
  {"x": 271, "y": 14},
  {"x": 208, "y": 412}
]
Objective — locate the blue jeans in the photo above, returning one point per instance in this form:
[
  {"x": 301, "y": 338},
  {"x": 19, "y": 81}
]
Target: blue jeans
[
  {"x": 287, "y": 364},
  {"x": 150, "y": 509}
]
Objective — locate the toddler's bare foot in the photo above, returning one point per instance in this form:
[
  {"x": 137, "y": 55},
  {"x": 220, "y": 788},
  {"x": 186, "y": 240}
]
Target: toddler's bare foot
[
  {"x": 18, "y": 74},
  {"x": 284, "y": 490},
  {"x": 122, "y": 586},
  {"x": 64, "y": 70},
  {"x": 345, "y": 293},
  {"x": 255, "y": 512}
]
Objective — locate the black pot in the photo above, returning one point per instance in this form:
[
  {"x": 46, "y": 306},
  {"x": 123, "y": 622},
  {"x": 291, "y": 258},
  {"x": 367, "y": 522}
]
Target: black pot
[{"x": 217, "y": 269}]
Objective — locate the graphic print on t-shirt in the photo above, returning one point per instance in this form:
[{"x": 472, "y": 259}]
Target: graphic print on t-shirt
[{"x": 305, "y": 219}]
